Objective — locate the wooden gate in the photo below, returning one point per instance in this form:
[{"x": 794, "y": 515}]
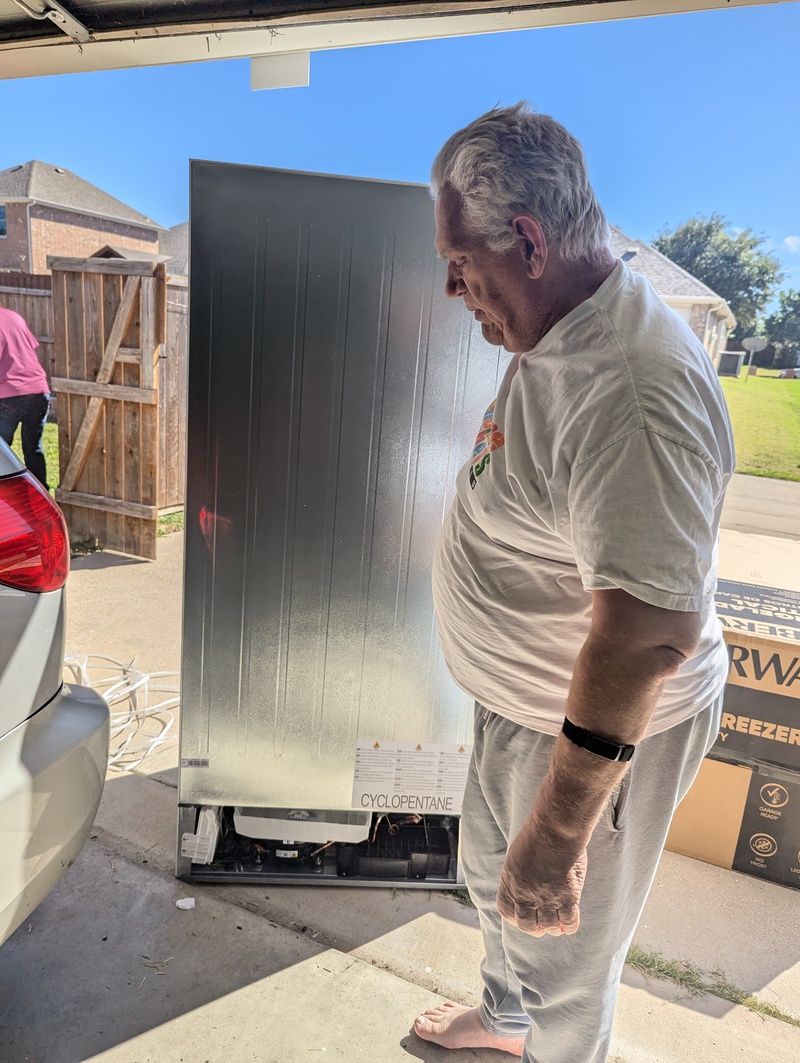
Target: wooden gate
[{"x": 109, "y": 318}]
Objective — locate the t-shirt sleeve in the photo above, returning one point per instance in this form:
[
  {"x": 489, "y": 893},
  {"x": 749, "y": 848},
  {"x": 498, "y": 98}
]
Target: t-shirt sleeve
[{"x": 641, "y": 519}]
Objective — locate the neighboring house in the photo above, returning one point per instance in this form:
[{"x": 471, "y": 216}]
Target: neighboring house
[
  {"x": 174, "y": 243},
  {"x": 46, "y": 210},
  {"x": 706, "y": 313}
]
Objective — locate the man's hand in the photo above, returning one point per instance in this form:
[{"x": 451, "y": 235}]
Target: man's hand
[
  {"x": 541, "y": 884},
  {"x": 632, "y": 649}
]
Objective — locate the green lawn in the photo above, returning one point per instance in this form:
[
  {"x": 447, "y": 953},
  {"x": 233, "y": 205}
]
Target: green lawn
[
  {"x": 50, "y": 444},
  {"x": 765, "y": 413}
]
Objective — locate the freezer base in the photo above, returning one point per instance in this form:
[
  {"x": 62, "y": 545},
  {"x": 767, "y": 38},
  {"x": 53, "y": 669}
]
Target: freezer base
[{"x": 398, "y": 850}]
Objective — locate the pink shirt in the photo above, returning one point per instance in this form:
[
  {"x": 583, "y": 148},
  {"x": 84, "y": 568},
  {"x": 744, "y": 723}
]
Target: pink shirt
[{"x": 20, "y": 371}]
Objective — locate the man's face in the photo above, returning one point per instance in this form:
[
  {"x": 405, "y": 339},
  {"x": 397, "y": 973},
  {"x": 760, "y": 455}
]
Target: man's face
[{"x": 494, "y": 285}]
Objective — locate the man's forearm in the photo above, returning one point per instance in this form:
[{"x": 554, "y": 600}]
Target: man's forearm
[
  {"x": 613, "y": 694},
  {"x": 632, "y": 649}
]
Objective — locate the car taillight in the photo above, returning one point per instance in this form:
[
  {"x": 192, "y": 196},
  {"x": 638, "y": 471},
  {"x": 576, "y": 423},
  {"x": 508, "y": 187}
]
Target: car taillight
[{"x": 34, "y": 545}]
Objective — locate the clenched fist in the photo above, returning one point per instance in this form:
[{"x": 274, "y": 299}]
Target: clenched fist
[{"x": 541, "y": 884}]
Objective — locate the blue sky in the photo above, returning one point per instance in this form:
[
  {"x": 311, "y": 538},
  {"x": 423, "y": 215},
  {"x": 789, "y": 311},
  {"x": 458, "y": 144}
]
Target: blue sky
[{"x": 679, "y": 115}]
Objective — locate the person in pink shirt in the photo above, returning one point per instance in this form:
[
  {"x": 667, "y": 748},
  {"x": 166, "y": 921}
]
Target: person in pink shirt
[{"x": 24, "y": 397}]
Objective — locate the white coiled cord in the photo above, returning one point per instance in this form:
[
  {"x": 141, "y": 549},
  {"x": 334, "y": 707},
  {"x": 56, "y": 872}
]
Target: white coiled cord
[{"x": 124, "y": 684}]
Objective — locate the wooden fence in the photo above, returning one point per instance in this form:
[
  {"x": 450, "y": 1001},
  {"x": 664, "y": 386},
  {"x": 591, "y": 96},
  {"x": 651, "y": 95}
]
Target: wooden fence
[{"x": 30, "y": 294}]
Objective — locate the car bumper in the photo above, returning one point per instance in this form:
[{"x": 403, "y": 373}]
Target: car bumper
[{"x": 52, "y": 771}]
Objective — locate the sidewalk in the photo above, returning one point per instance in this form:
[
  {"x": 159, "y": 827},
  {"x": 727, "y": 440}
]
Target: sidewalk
[{"x": 108, "y": 969}]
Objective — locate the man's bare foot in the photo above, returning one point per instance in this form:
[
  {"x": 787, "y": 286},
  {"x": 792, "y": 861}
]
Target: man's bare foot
[{"x": 454, "y": 1026}]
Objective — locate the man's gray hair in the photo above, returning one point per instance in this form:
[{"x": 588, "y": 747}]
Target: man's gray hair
[{"x": 513, "y": 161}]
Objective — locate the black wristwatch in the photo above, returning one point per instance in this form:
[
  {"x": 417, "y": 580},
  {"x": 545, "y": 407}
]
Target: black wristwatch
[{"x": 592, "y": 743}]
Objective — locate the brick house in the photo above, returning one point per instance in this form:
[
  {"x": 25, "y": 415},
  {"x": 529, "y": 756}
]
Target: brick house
[
  {"x": 706, "y": 313},
  {"x": 46, "y": 210}
]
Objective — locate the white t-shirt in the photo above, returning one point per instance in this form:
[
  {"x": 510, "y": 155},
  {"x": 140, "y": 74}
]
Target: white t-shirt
[{"x": 602, "y": 463}]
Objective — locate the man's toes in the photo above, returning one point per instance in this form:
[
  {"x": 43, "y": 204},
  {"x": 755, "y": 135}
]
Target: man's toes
[
  {"x": 432, "y": 1021},
  {"x": 427, "y": 1026},
  {"x": 439, "y": 1013}
]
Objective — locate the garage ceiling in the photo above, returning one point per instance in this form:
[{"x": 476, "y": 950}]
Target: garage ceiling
[{"x": 40, "y": 37}]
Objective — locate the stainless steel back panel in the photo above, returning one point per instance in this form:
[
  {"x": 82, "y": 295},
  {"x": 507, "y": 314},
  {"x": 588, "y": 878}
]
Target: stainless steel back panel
[{"x": 333, "y": 394}]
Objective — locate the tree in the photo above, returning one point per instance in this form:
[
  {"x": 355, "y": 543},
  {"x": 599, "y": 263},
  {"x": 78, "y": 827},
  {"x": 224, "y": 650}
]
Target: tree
[
  {"x": 732, "y": 263},
  {"x": 783, "y": 329}
]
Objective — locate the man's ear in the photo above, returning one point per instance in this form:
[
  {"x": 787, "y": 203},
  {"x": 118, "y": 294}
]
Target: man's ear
[{"x": 531, "y": 243}]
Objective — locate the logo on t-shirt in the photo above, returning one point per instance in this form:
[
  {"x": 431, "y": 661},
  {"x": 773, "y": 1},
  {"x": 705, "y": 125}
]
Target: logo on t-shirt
[{"x": 490, "y": 438}]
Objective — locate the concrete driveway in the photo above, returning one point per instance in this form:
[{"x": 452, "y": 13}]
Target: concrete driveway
[
  {"x": 760, "y": 506},
  {"x": 108, "y": 968}
]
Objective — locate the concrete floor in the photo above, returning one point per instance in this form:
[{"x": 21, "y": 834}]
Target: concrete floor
[
  {"x": 228, "y": 985},
  {"x": 108, "y": 968},
  {"x": 285, "y": 974}
]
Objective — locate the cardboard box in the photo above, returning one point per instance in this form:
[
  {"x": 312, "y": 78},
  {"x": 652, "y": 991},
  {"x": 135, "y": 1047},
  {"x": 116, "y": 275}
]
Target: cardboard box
[
  {"x": 761, "y": 709},
  {"x": 707, "y": 822},
  {"x": 742, "y": 817},
  {"x": 743, "y": 811}
]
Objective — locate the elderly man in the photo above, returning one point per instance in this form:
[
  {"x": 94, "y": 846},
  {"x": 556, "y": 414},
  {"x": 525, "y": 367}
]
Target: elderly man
[{"x": 574, "y": 582}]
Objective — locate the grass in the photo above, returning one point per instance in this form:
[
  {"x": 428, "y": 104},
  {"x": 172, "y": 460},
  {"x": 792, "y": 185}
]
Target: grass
[
  {"x": 50, "y": 447},
  {"x": 79, "y": 547},
  {"x": 170, "y": 522},
  {"x": 701, "y": 983},
  {"x": 765, "y": 413}
]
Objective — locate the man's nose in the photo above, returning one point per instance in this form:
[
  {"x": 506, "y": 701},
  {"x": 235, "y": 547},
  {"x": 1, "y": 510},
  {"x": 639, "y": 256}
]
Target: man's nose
[{"x": 454, "y": 285}]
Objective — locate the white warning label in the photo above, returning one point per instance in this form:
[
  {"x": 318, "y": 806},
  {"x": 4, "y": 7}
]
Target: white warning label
[{"x": 410, "y": 776}]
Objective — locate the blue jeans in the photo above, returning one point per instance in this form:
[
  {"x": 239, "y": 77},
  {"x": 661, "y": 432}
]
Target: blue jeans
[{"x": 31, "y": 412}]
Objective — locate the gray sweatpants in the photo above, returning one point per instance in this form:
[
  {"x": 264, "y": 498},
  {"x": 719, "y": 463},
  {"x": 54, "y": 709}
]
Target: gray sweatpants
[{"x": 562, "y": 991}]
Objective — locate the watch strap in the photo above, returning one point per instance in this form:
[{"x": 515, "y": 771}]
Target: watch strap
[{"x": 592, "y": 743}]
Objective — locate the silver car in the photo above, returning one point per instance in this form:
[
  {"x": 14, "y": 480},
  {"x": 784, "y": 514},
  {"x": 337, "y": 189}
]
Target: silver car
[{"x": 53, "y": 737}]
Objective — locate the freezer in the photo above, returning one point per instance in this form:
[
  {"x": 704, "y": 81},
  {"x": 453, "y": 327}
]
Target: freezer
[{"x": 334, "y": 392}]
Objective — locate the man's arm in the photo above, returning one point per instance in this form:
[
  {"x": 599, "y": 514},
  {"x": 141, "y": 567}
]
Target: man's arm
[{"x": 631, "y": 651}]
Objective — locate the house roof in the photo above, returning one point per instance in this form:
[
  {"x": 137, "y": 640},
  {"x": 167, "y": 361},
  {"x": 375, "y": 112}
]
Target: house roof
[
  {"x": 57, "y": 187},
  {"x": 668, "y": 278},
  {"x": 128, "y": 253},
  {"x": 174, "y": 243}
]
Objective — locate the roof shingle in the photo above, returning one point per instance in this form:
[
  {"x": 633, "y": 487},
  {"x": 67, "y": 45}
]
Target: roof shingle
[
  {"x": 58, "y": 187},
  {"x": 668, "y": 278}
]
